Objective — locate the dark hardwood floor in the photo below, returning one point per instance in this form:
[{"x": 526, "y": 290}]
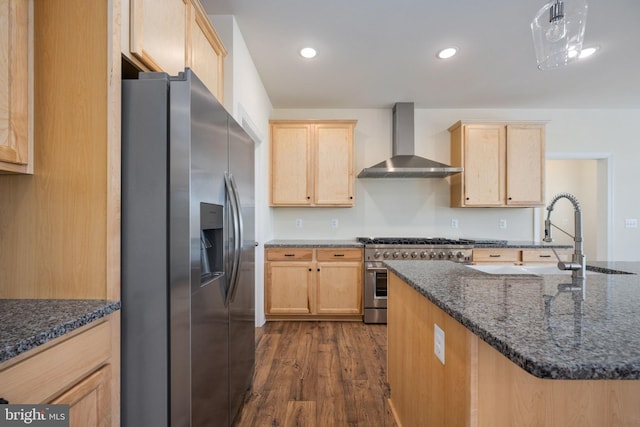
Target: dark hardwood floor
[{"x": 319, "y": 374}]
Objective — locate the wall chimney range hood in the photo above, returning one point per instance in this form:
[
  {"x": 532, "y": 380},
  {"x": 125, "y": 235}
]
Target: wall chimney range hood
[{"x": 404, "y": 163}]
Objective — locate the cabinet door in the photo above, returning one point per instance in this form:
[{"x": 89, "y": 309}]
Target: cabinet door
[
  {"x": 158, "y": 34},
  {"x": 15, "y": 73},
  {"x": 484, "y": 165},
  {"x": 333, "y": 165},
  {"x": 90, "y": 400},
  {"x": 290, "y": 164},
  {"x": 205, "y": 52},
  {"x": 288, "y": 288},
  {"x": 525, "y": 165},
  {"x": 339, "y": 288}
]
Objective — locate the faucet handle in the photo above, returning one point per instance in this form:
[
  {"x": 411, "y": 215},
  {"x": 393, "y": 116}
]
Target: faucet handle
[
  {"x": 569, "y": 265},
  {"x": 547, "y": 231}
]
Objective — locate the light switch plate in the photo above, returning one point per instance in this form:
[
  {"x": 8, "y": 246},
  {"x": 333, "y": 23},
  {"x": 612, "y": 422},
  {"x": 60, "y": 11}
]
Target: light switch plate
[
  {"x": 631, "y": 223},
  {"x": 454, "y": 223},
  {"x": 334, "y": 223},
  {"x": 298, "y": 223},
  {"x": 502, "y": 223},
  {"x": 438, "y": 342}
]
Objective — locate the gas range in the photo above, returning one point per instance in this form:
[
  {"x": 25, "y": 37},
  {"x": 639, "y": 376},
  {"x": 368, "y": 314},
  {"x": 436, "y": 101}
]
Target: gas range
[{"x": 420, "y": 248}]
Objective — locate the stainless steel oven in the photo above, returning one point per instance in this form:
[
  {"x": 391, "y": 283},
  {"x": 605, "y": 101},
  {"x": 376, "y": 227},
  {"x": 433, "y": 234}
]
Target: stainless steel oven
[
  {"x": 375, "y": 292},
  {"x": 378, "y": 249}
]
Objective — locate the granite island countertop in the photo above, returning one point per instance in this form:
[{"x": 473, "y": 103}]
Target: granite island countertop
[
  {"x": 28, "y": 323},
  {"x": 542, "y": 323}
]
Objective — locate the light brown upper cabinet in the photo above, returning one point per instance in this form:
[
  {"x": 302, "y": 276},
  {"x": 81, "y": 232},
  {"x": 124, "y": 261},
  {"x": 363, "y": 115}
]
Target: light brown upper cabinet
[
  {"x": 158, "y": 34},
  {"x": 16, "y": 87},
  {"x": 205, "y": 52},
  {"x": 169, "y": 35},
  {"x": 312, "y": 163},
  {"x": 503, "y": 164}
]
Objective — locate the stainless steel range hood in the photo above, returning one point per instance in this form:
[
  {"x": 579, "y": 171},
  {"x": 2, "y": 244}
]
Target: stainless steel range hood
[{"x": 404, "y": 163}]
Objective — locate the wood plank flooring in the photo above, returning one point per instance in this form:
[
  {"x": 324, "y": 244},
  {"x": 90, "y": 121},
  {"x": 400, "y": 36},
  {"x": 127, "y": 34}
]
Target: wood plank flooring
[{"x": 320, "y": 374}]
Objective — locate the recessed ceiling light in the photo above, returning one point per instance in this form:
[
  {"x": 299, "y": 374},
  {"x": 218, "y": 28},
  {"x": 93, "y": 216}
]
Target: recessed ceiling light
[
  {"x": 587, "y": 52},
  {"x": 447, "y": 52},
  {"x": 308, "y": 52}
]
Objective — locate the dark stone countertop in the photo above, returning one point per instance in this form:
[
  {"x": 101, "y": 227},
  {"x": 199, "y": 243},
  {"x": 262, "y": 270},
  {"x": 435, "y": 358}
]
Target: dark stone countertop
[
  {"x": 313, "y": 244},
  {"x": 346, "y": 243},
  {"x": 517, "y": 244},
  {"x": 542, "y": 323},
  {"x": 28, "y": 323}
]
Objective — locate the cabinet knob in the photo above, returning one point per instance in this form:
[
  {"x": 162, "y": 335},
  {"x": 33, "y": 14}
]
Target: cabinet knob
[
  {"x": 509, "y": 198},
  {"x": 309, "y": 269},
  {"x": 308, "y": 197},
  {"x": 351, "y": 197},
  {"x": 467, "y": 198},
  {"x": 318, "y": 269}
]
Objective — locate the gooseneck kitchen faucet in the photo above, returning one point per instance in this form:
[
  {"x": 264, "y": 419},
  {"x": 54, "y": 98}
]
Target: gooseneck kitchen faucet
[{"x": 578, "y": 260}]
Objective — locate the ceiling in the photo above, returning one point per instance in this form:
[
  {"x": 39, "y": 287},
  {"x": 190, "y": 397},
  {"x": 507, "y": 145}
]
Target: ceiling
[{"x": 373, "y": 53}]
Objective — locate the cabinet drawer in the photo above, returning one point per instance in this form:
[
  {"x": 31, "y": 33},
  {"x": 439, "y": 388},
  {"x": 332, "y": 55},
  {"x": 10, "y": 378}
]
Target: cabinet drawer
[
  {"x": 40, "y": 377},
  {"x": 289, "y": 254},
  {"x": 344, "y": 254},
  {"x": 545, "y": 255},
  {"x": 496, "y": 255}
]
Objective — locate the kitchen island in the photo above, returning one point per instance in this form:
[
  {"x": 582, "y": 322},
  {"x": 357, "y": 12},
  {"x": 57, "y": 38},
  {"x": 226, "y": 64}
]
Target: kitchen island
[{"x": 518, "y": 349}]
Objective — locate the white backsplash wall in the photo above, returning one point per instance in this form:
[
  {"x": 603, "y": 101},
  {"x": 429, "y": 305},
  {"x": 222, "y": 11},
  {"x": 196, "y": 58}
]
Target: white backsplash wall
[{"x": 398, "y": 207}]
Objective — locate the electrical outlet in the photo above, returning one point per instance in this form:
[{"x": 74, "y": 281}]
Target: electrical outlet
[
  {"x": 502, "y": 223},
  {"x": 334, "y": 223},
  {"x": 438, "y": 342},
  {"x": 298, "y": 223},
  {"x": 631, "y": 223},
  {"x": 454, "y": 223}
]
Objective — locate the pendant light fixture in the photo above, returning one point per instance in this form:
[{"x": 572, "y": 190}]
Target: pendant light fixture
[{"x": 558, "y": 31}]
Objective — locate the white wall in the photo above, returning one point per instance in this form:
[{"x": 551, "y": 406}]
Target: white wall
[{"x": 248, "y": 102}]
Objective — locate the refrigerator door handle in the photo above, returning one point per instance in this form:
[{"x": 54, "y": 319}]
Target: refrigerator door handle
[
  {"x": 234, "y": 235},
  {"x": 239, "y": 241}
]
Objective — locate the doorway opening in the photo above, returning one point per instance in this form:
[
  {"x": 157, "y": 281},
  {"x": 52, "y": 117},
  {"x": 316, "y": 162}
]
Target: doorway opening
[{"x": 588, "y": 176}]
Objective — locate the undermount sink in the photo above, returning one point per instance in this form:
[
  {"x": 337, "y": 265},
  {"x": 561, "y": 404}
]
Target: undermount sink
[{"x": 523, "y": 269}]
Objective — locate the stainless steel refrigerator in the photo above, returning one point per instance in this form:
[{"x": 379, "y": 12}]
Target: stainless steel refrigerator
[{"x": 188, "y": 348}]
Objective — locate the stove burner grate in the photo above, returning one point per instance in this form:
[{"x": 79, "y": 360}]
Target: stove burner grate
[{"x": 413, "y": 241}]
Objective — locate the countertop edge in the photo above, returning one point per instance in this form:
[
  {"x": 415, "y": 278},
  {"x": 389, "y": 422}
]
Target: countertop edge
[{"x": 51, "y": 332}]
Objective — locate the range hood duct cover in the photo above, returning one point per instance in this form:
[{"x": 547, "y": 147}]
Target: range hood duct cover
[{"x": 404, "y": 163}]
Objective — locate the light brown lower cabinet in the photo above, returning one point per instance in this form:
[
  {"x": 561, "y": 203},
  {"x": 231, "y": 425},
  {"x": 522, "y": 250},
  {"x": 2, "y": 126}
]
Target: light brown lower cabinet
[
  {"x": 519, "y": 256},
  {"x": 90, "y": 400},
  {"x": 81, "y": 369},
  {"x": 311, "y": 283}
]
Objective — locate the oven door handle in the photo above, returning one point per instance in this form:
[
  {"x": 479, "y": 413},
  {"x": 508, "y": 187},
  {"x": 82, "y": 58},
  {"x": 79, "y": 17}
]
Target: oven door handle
[{"x": 381, "y": 269}]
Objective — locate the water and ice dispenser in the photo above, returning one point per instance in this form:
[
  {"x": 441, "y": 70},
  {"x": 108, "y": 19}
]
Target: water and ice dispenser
[{"x": 211, "y": 242}]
